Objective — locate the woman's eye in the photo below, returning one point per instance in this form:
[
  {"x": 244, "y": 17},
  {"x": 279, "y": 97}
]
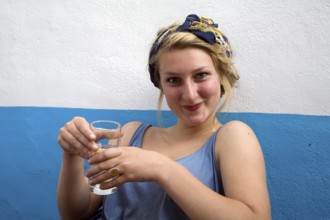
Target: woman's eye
[
  {"x": 201, "y": 76},
  {"x": 173, "y": 80}
]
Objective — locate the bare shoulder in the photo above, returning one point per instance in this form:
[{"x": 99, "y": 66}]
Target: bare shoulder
[
  {"x": 131, "y": 125},
  {"x": 235, "y": 132},
  {"x": 129, "y": 130},
  {"x": 234, "y": 126},
  {"x": 237, "y": 140}
]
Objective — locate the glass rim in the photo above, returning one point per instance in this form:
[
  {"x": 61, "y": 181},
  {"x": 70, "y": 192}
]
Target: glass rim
[{"x": 105, "y": 121}]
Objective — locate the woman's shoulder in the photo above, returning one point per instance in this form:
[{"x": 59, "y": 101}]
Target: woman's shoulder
[
  {"x": 236, "y": 134},
  {"x": 129, "y": 130},
  {"x": 234, "y": 126},
  {"x": 132, "y": 125}
]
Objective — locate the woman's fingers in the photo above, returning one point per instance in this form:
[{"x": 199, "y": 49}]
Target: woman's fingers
[
  {"x": 84, "y": 128},
  {"x": 102, "y": 177},
  {"x": 102, "y": 156},
  {"x": 130, "y": 163},
  {"x": 115, "y": 181},
  {"x": 71, "y": 144},
  {"x": 108, "y": 134},
  {"x": 77, "y": 137},
  {"x": 100, "y": 163}
]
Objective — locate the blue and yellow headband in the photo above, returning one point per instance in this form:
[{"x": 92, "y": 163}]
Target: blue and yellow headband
[{"x": 203, "y": 28}]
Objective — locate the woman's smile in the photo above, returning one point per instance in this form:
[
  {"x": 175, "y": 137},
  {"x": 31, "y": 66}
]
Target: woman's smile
[{"x": 192, "y": 108}]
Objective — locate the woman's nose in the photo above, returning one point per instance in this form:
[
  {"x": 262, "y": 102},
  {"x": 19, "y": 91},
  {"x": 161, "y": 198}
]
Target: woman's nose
[{"x": 189, "y": 91}]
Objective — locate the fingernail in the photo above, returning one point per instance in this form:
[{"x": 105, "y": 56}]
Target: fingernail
[
  {"x": 95, "y": 147},
  {"x": 92, "y": 136}
]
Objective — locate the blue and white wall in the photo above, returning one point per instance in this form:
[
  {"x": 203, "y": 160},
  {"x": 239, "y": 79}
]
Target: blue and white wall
[{"x": 59, "y": 59}]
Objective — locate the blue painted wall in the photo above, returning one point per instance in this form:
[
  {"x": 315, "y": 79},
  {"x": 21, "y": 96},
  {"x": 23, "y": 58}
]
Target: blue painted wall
[{"x": 296, "y": 150}]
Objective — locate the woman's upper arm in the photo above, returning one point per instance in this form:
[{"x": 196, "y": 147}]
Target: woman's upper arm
[{"x": 242, "y": 167}]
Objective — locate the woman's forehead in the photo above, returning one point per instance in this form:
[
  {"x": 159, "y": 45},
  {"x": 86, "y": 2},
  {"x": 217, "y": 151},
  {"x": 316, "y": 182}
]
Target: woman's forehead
[{"x": 191, "y": 59}]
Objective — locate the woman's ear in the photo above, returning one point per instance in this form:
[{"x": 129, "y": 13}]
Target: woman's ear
[{"x": 222, "y": 90}]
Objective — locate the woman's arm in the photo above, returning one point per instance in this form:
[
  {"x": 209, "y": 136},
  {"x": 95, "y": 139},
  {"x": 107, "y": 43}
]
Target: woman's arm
[
  {"x": 74, "y": 199},
  {"x": 243, "y": 174}
]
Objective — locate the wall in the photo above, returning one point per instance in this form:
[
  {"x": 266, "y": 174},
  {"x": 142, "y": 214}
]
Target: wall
[{"x": 59, "y": 59}]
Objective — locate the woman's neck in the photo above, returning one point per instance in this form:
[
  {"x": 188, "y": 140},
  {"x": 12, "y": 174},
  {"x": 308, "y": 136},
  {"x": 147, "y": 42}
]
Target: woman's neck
[{"x": 183, "y": 130}]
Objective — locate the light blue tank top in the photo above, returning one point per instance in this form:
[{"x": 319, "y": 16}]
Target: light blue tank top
[{"x": 147, "y": 201}]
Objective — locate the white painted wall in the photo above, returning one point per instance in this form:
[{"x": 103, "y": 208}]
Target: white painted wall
[{"x": 93, "y": 54}]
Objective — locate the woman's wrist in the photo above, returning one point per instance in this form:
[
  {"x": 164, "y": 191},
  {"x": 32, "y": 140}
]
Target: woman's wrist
[
  {"x": 165, "y": 170},
  {"x": 70, "y": 158}
]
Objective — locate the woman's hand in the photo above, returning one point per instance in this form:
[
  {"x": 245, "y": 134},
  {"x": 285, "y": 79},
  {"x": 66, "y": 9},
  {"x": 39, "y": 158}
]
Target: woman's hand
[
  {"x": 77, "y": 138},
  {"x": 134, "y": 165}
]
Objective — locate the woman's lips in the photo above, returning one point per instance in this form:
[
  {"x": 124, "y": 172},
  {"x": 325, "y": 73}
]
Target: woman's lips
[{"x": 192, "y": 108}]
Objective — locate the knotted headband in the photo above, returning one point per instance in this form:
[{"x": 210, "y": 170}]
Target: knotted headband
[{"x": 203, "y": 28}]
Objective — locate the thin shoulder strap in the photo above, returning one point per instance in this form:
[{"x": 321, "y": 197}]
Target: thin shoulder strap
[{"x": 136, "y": 139}]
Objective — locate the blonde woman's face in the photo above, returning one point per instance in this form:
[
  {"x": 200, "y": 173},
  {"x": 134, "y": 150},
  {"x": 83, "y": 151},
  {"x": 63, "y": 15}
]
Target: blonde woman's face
[{"x": 190, "y": 84}]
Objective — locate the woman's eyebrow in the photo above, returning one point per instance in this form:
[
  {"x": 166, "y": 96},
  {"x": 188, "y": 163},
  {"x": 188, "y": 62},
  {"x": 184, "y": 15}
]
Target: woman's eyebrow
[{"x": 203, "y": 68}]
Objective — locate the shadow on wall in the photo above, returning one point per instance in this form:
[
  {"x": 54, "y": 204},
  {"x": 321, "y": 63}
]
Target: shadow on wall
[{"x": 296, "y": 150}]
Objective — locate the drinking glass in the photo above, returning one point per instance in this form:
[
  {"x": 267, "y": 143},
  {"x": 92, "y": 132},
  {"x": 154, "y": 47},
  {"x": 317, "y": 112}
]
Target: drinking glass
[{"x": 109, "y": 131}]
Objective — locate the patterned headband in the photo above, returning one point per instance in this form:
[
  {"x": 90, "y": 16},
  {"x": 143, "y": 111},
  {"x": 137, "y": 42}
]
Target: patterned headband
[{"x": 203, "y": 28}]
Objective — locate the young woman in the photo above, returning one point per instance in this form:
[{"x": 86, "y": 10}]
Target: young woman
[{"x": 196, "y": 169}]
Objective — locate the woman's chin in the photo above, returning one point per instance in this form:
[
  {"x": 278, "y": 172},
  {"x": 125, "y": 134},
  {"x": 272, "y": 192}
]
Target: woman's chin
[{"x": 195, "y": 121}]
